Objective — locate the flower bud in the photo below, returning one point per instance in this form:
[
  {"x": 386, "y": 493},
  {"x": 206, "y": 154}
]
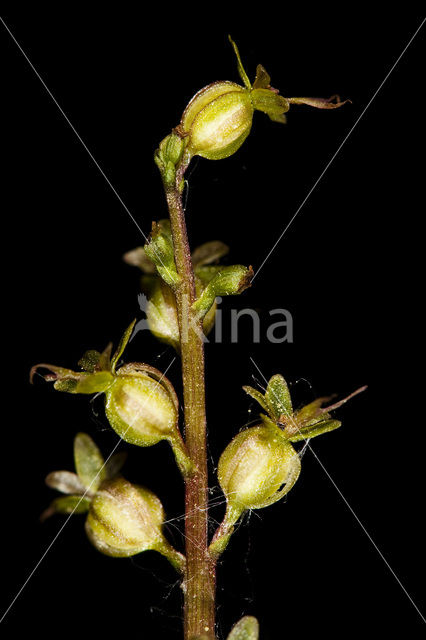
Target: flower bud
[
  {"x": 168, "y": 156},
  {"x": 160, "y": 303},
  {"x": 159, "y": 249}
]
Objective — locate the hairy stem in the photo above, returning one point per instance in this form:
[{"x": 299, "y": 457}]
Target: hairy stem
[{"x": 199, "y": 581}]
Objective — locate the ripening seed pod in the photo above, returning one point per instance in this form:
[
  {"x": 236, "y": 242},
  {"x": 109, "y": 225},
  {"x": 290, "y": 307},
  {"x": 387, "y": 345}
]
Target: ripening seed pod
[
  {"x": 123, "y": 519},
  {"x": 140, "y": 402},
  {"x": 219, "y": 118},
  {"x": 140, "y": 409},
  {"x": 161, "y": 311},
  {"x": 126, "y": 519},
  {"x": 257, "y": 468},
  {"x": 246, "y": 629}
]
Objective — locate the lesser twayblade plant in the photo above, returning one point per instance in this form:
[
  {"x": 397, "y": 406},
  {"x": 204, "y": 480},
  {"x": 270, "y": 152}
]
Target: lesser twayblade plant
[{"x": 261, "y": 464}]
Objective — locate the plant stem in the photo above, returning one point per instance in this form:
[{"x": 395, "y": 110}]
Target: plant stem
[{"x": 200, "y": 579}]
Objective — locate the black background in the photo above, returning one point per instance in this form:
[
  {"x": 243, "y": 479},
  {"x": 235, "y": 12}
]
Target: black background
[{"x": 348, "y": 269}]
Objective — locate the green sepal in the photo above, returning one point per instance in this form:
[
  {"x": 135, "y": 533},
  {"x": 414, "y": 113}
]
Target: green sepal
[
  {"x": 71, "y": 484},
  {"x": 204, "y": 254},
  {"x": 230, "y": 280},
  {"x": 67, "y": 504},
  {"x": 89, "y": 462},
  {"x": 316, "y": 429},
  {"x": 258, "y": 396},
  {"x": 313, "y": 419},
  {"x": 272, "y": 424},
  {"x": 71, "y": 504},
  {"x": 138, "y": 258},
  {"x": 308, "y": 422},
  {"x": 87, "y": 383},
  {"x": 159, "y": 249},
  {"x": 276, "y": 401},
  {"x": 171, "y": 148},
  {"x": 122, "y": 345},
  {"x": 114, "y": 464},
  {"x": 241, "y": 70},
  {"x": 161, "y": 310},
  {"x": 278, "y": 397},
  {"x": 104, "y": 363},
  {"x": 320, "y": 103},
  {"x": 65, "y": 482},
  {"x": 311, "y": 412},
  {"x": 207, "y": 272},
  {"x": 96, "y": 376},
  {"x": 246, "y": 629},
  {"x": 262, "y": 79},
  {"x": 209, "y": 252},
  {"x": 271, "y": 103}
]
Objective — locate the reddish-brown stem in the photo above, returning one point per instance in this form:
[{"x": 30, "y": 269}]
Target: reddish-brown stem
[{"x": 199, "y": 581}]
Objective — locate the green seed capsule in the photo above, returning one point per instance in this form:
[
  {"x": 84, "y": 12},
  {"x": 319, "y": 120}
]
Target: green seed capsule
[
  {"x": 246, "y": 629},
  {"x": 217, "y": 120},
  {"x": 160, "y": 302},
  {"x": 141, "y": 404},
  {"x": 124, "y": 519},
  {"x": 257, "y": 468},
  {"x": 161, "y": 310},
  {"x": 140, "y": 410}
]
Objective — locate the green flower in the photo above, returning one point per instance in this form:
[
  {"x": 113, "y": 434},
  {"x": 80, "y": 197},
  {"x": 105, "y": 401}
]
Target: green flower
[
  {"x": 260, "y": 465},
  {"x": 219, "y": 117},
  {"x": 122, "y": 519},
  {"x": 140, "y": 402},
  {"x": 160, "y": 277},
  {"x": 308, "y": 422}
]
